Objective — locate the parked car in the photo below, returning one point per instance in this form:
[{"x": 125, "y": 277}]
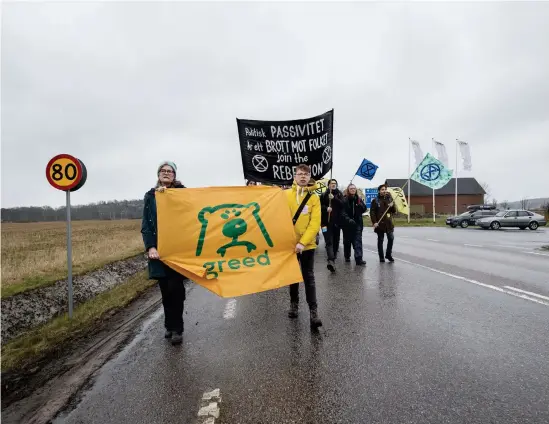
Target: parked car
[
  {"x": 513, "y": 218},
  {"x": 469, "y": 218}
]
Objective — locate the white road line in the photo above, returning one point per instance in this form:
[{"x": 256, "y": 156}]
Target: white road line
[
  {"x": 510, "y": 247},
  {"x": 230, "y": 309},
  {"x": 536, "y": 253},
  {"x": 433, "y": 240},
  {"x": 473, "y": 245},
  {"x": 478, "y": 283},
  {"x": 527, "y": 292},
  {"x": 210, "y": 410}
]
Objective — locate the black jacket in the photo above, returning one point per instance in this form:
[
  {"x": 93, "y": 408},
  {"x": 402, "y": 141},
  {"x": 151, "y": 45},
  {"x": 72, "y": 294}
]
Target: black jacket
[
  {"x": 333, "y": 218},
  {"x": 353, "y": 208},
  {"x": 149, "y": 226},
  {"x": 378, "y": 208}
]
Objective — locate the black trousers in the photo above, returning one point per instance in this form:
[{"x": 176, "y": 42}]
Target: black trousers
[
  {"x": 307, "y": 264},
  {"x": 332, "y": 236},
  {"x": 353, "y": 237},
  {"x": 172, "y": 288},
  {"x": 390, "y": 240}
]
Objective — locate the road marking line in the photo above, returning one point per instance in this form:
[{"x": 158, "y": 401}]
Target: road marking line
[
  {"x": 473, "y": 245},
  {"x": 230, "y": 309},
  {"x": 478, "y": 283},
  {"x": 510, "y": 247},
  {"x": 433, "y": 240},
  {"x": 211, "y": 410},
  {"x": 527, "y": 292},
  {"x": 536, "y": 253}
]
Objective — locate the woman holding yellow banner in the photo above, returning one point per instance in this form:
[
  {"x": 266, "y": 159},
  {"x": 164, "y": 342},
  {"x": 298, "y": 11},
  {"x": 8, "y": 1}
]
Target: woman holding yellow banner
[
  {"x": 171, "y": 282},
  {"x": 380, "y": 213}
]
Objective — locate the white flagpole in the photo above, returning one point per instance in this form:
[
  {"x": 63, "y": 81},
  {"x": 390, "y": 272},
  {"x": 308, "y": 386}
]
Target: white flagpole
[
  {"x": 409, "y": 175},
  {"x": 434, "y": 150},
  {"x": 456, "y": 195}
]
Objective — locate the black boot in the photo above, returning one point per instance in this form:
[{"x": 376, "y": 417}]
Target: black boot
[
  {"x": 168, "y": 334},
  {"x": 294, "y": 309},
  {"x": 389, "y": 258},
  {"x": 360, "y": 262},
  {"x": 381, "y": 259},
  {"x": 315, "y": 320},
  {"x": 331, "y": 266},
  {"x": 347, "y": 260},
  {"x": 177, "y": 338}
]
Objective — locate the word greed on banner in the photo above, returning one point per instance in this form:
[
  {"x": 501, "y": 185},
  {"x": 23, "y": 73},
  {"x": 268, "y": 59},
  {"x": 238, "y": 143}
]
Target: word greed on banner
[{"x": 272, "y": 149}]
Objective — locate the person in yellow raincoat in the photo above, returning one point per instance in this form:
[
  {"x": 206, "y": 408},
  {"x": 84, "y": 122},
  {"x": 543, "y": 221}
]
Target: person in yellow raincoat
[{"x": 306, "y": 227}]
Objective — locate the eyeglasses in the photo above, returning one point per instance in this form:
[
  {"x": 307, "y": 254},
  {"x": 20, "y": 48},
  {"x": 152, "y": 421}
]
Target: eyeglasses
[
  {"x": 166, "y": 171},
  {"x": 300, "y": 174}
]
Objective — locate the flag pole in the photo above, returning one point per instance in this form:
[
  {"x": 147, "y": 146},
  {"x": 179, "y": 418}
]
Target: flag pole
[
  {"x": 434, "y": 219},
  {"x": 456, "y": 193},
  {"x": 402, "y": 188},
  {"x": 409, "y": 174}
]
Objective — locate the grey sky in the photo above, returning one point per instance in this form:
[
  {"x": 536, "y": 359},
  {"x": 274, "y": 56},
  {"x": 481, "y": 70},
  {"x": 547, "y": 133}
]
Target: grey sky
[{"x": 123, "y": 86}]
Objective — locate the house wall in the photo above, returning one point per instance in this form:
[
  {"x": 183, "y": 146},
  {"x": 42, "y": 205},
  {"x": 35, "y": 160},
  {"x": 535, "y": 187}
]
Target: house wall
[{"x": 444, "y": 204}]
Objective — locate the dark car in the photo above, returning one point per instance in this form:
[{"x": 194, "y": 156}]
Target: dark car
[{"x": 469, "y": 218}]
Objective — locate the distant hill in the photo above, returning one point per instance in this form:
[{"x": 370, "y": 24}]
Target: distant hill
[{"x": 537, "y": 203}]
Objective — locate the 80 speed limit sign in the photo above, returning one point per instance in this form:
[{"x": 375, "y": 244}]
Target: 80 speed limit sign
[{"x": 65, "y": 172}]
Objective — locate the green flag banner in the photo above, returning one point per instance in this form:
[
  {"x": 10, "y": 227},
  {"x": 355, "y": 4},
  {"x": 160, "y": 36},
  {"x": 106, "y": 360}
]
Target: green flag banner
[{"x": 432, "y": 173}]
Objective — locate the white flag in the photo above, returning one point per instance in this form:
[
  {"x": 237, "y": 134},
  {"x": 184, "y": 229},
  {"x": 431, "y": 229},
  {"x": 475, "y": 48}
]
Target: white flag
[
  {"x": 417, "y": 151},
  {"x": 465, "y": 155},
  {"x": 441, "y": 152}
]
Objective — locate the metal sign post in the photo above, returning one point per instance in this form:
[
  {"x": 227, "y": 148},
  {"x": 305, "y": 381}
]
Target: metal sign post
[
  {"x": 67, "y": 173},
  {"x": 69, "y": 251}
]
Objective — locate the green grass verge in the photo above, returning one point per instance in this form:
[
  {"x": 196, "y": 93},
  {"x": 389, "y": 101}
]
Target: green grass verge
[
  {"x": 45, "y": 339},
  {"x": 414, "y": 222},
  {"x": 49, "y": 280}
]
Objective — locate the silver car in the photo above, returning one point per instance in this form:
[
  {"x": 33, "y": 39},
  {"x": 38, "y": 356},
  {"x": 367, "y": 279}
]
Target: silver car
[{"x": 514, "y": 218}]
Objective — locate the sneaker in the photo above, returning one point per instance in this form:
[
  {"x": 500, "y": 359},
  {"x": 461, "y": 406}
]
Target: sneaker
[
  {"x": 294, "y": 308},
  {"x": 168, "y": 334},
  {"x": 315, "y": 320},
  {"x": 177, "y": 338},
  {"x": 389, "y": 258},
  {"x": 331, "y": 266}
]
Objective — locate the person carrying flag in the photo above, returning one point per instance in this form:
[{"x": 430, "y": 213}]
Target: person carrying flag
[
  {"x": 332, "y": 203},
  {"x": 380, "y": 213}
]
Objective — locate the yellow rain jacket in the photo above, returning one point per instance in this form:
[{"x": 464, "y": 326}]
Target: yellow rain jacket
[{"x": 308, "y": 223}]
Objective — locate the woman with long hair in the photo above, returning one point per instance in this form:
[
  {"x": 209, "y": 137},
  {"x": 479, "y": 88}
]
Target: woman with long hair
[
  {"x": 171, "y": 282},
  {"x": 353, "y": 208}
]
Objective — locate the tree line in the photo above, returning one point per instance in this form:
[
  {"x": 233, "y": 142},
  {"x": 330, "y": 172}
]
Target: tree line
[{"x": 124, "y": 209}]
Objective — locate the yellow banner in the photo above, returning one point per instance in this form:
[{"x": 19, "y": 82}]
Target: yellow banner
[
  {"x": 400, "y": 200},
  {"x": 231, "y": 240}
]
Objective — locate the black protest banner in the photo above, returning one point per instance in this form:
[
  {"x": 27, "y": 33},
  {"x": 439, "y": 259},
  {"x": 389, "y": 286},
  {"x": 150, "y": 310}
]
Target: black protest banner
[{"x": 272, "y": 149}]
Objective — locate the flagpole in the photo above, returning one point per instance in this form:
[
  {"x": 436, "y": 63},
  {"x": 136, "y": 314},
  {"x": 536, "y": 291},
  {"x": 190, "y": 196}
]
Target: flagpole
[
  {"x": 434, "y": 150},
  {"x": 456, "y": 194},
  {"x": 409, "y": 175}
]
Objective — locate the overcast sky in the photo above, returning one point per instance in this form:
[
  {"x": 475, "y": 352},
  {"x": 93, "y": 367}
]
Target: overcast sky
[{"x": 123, "y": 86}]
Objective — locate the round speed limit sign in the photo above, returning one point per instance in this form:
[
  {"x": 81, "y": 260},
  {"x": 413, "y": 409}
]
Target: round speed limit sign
[{"x": 65, "y": 172}]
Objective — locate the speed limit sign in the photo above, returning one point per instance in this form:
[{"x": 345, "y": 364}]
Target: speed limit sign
[{"x": 67, "y": 173}]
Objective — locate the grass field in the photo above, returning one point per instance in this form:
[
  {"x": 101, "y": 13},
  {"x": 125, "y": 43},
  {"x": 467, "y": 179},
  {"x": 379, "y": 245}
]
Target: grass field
[
  {"x": 35, "y": 254},
  {"x": 402, "y": 221}
]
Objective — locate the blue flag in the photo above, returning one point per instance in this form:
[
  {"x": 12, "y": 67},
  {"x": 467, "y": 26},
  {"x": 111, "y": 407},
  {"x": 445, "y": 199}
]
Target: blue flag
[
  {"x": 367, "y": 169},
  {"x": 432, "y": 173}
]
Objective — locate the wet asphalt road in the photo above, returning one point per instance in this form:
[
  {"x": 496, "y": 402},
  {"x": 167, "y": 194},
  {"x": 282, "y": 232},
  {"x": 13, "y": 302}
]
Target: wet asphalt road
[{"x": 418, "y": 341}]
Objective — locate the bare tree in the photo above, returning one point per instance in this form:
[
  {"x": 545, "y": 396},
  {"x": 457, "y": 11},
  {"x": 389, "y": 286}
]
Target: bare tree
[
  {"x": 494, "y": 203},
  {"x": 505, "y": 204},
  {"x": 545, "y": 208},
  {"x": 487, "y": 189},
  {"x": 524, "y": 203}
]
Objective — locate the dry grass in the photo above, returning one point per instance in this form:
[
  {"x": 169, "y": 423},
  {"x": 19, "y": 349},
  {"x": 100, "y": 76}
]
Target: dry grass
[
  {"x": 402, "y": 221},
  {"x": 43, "y": 340},
  {"x": 35, "y": 254}
]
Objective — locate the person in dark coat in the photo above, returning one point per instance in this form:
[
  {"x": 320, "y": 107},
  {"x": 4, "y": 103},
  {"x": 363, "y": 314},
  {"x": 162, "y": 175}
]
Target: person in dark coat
[
  {"x": 171, "y": 282},
  {"x": 381, "y": 215},
  {"x": 332, "y": 204},
  {"x": 353, "y": 208}
]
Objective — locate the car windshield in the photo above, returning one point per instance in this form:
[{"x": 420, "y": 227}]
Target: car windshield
[
  {"x": 466, "y": 213},
  {"x": 501, "y": 213}
]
